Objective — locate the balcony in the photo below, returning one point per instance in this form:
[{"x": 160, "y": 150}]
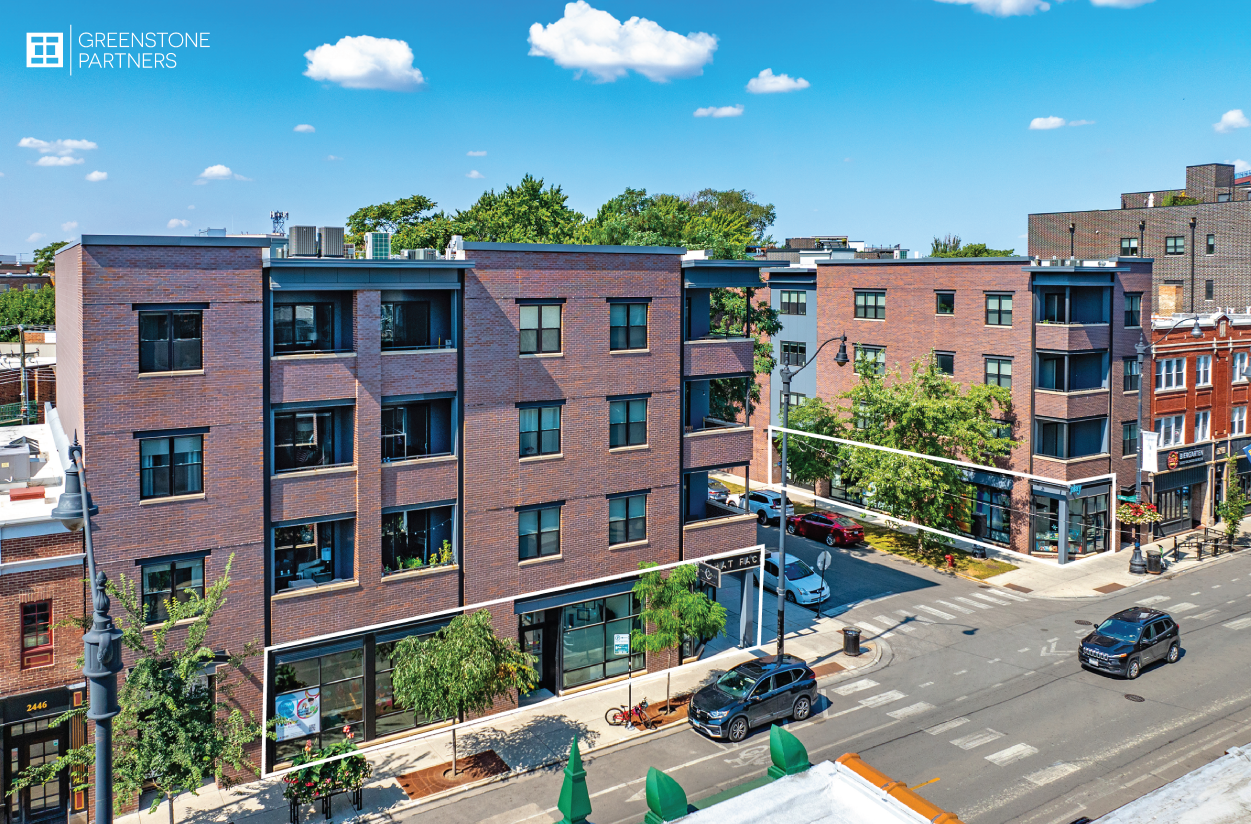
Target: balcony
[
  {"x": 1070, "y": 405},
  {"x": 717, "y": 443},
  {"x": 415, "y": 371},
  {"x": 312, "y": 377},
  {"x": 419, "y": 481},
  {"x": 1072, "y": 336},
  {"x": 721, "y": 529},
  {"x": 718, "y": 356},
  {"x": 312, "y": 493},
  {"x": 1073, "y": 469}
]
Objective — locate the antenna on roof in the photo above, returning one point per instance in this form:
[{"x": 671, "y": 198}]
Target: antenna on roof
[{"x": 279, "y": 219}]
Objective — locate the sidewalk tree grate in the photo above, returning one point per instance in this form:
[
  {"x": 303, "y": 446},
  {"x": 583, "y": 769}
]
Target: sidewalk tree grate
[
  {"x": 1137, "y": 699},
  {"x": 1081, "y": 622}
]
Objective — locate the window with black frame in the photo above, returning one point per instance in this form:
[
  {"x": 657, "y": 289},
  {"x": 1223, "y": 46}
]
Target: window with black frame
[
  {"x": 406, "y": 324},
  {"x": 405, "y": 431},
  {"x": 166, "y": 581},
  {"x": 171, "y": 466},
  {"x": 338, "y": 677},
  {"x": 627, "y": 326},
  {"x": 390, "y": 717},
  {"x": 794, "y": 302},
  {"x": 794, "y": 353},
  {"x": 999, "y": 372},
  {"x": 304, "y": 555},
  {"x": 946, "y": 362},
  {"x": 170, "y": 341},
  {"x": 539, "y": 428},
  {"x": 303, "y": 327},
  {"x": 999, "y": 310},
  {"x": 871, "y": 305},
  {"x": 874, "y": 356},
  {"x": 1133, "y": 309},
  {"x": 589, "y": 634},
  {"x": 1132, "y": 374},
  {"x": 627, "y": 423},
  {"x": 538, "y": 533},
  {"x": 411, "y": 539},
  {"x": 627, "y": 519},
  {"x": 303, "y": 440},
  {"x": 540, "y": 329}
]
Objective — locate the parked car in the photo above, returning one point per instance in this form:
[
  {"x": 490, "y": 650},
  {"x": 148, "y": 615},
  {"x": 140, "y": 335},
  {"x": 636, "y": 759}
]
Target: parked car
[
  {"x": 754, "y": 693},
  {"x": 1130, "y": 641},
  {"x": 764, "y": 504},
  {"x": 803, "y": 585},
  {"x": 717, "y": 491},
  {"x": 835, "y": 530}
]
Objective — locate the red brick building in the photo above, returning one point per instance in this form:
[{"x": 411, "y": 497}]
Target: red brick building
[{"x": 382, "y": 443}]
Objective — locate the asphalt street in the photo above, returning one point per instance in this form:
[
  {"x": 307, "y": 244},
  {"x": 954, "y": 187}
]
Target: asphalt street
[{"x": 978, "y": 700}]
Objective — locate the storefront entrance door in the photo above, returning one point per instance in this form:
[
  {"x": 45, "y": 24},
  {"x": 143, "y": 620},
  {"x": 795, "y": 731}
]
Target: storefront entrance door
[{"x": 43, "y": 802}]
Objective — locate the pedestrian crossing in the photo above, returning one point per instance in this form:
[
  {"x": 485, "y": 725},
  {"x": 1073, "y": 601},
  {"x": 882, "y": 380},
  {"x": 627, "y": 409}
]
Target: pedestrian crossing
[{"x": 951, "y": 608}]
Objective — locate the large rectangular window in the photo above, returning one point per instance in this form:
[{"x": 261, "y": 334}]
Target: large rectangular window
[
  {"x": 999, "y": 372},
  {"x": 337, "y": 680},
  {"x": 36, "y": 634},
  {"x": 307, "y": 555},
  {"x": 1175, "y": 245},
  {"x": 1203, "y": 426},
  {"x": 540, "y": 329},
  {"x": 1132, "y": 373},
  {"x": 998, "y": 310},
  {"x": 416, "y": 430},
  {"x": 303, "y": 327},
  {"x": 1203, "y": 370},
  {"x": 627, "y": 423},
  {"x": 1070, "y": 439},
  {"x": 1072, "y": 372},
  {"x": 1133, "y": 310},
  {"x": 946, "y": 362},
  {"x": 171, "y": 466},
  {"x": 306, "y": 440},
  {"x": 875, "y": 356},
  {"x": 1171, "y": 429},
  {"x": 538, "y": 533},
  {"x": 1170, "y": 373},
  {"x": 417, "y": 539},
  {"x": 794, "y": 353},
  {"x": 1238, "y": 420},
  {"x": 1129, "y": 247},
  {"x": 1129, "y": 438},
  {"x": 406, "y": 324},
  {"x": 170, "y": 341},
  {"x": 791, "y": 400},
  {"x": 590, "y": 632},
  {"x": 540, "y": 430},
  {"x": 794, "y": 302},
  {"x": 165, "y": 581},
  {"x": 871, "y": 305},
  {"x": 627, "y": 519},
  {"x": 627, "y": 326},
  {"x": 944, "y": 303},
  {"x": 1211, "y": 247}
]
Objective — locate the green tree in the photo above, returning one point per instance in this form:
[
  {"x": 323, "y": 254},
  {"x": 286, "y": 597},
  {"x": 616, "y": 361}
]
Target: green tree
[
  {"x": 31, "y": 307},
  {"x": 525, "y": 213},
  {"x": 412, "y": 220},
  {"x": 729, "y": 311},
  {"x": 673, "y": 609},
  {"x": 1234, "y": 508},
  {"x": 1180, "y": 199},
  {"x": 45, "y": 257},
  {"x": 950, "y": 247},
  {"x": 810, "y": 460},
  {"x": 463, "y": 668},
  {"x": 757, "y": 216}
]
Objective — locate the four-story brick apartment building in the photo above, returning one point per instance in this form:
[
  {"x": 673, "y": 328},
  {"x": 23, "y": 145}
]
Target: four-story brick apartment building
[{"x": 380, "y": 444}]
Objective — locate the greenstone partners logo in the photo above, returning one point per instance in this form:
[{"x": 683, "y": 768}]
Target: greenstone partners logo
[{"x": 110, "y": 50}]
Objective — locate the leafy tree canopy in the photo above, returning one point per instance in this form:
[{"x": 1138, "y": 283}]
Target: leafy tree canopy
[
  {"x": 525, "y": 213},
  {"x": 31, "y": 307},
  {"x": 950, "y": 247},
  {"x": 758, "y": 216},
  {"x": 45, "y": 257}
]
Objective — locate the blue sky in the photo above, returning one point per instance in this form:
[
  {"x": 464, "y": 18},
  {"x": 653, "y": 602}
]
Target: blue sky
[{"x": 915, "y": 120}]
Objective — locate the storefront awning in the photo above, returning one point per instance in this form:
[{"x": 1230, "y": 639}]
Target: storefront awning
[
  {"x": 1176, "y": 480},
  {"x": 573, "y": 596}
]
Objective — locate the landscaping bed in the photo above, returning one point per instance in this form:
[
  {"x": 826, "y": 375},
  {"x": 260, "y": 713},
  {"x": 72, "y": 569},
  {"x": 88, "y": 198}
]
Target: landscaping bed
[{"x": 471, "y": 768}]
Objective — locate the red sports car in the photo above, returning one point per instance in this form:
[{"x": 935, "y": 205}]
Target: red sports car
[{"x": 835, "y": 530}]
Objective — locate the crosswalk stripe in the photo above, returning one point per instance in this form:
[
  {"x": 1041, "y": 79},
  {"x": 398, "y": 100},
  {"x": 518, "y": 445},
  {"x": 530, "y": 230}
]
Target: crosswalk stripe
[
  {"x": 1010, "y": 596},
  {"x": 1055, "y": 772},
  {"x": 938, "y": 612},
  {"x": 977, "y": 739},
  {"x": 1012, "y": 754},
  {"x": 896, "y": 624},
  {"x": 1202, "y": 615},
  {"x": 990, "y": 598},
  {"x": 939, "y": 729},
  {"x": 959, "y": 609},
  {"x": 856, "y": 686},
  {"x": 973, "y": 603},
  {"x": 1182, "y": 607},
  {"x": 920, "y": 619},
  {"x": 1241, "y": 623},
  {"x": 882, "y": 698},
  {"x": 1154, "y": 599},
  {"x": 867, "y": 627},
  {"x": 907, "y": 712}
]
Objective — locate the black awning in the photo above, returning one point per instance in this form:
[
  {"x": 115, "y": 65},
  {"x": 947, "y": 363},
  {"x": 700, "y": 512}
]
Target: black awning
[
  {"x": 573, "y": 596},
  {"x": 1176, "y": 480},
  {"x": 1003, "y": 482}
]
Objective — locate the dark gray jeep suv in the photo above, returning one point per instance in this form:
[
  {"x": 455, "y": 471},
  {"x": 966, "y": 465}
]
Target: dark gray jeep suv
[
  {"x": 1130, "y": 641},
  {"x": 754, "y": 693}
]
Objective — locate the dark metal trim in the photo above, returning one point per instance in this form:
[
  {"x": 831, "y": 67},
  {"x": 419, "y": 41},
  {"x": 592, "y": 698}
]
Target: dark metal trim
[
  {"x": 170, "y": 433},
  {"x": 391, "y": 510},
  {"x": 531, "y": 507},
  {"x": 169, "y": 559},
  {"x": 168, "y": 307}
]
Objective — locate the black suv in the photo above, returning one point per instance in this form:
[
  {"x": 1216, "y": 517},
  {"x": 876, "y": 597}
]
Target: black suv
[
  {"x": 754, "y": 693},
  {"x": 1131, "y": 640}
]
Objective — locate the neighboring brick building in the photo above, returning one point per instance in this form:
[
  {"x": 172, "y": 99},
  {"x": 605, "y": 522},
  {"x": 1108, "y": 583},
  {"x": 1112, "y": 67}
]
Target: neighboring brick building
[
  {"x": 1058, "y": 335},
  {"x": 1202, "y": 251},
  {"x": 380, "y": 443}
]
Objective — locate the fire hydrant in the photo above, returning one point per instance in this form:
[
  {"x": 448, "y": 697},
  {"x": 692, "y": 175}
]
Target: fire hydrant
[{"x": 951, "y": 562}]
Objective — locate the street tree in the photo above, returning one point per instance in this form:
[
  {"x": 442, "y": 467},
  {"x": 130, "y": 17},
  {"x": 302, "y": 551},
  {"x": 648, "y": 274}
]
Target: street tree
[
  {"x": 949, "y": 246},
  {"x": 45, "y": 256},
  {"x": 463, "y": 668},
  {"x": 31, "y": 307},
  {"x": 673, "y": 609},
  {"x": 1234, "y": 508},
  {"x": 525, "y": 213}
]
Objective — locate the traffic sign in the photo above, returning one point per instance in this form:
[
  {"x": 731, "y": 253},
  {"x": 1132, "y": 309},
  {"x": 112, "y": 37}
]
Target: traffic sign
[{"x": 824, "y": 560}]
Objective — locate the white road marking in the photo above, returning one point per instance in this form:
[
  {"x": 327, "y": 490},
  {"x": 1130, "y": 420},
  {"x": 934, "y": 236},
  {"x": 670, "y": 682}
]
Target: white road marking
[
  {"x": 973, "y": 603},
  {"x": 1196, "y": 593},
  {"x": 897, "y": 625},
  {"x": 856, "y": 686},
  {"x": 932, "y": 611},
  {"x": 883, "y": 698},
  {"x": 990, "y": 598},
  {"x": 1154, "y": 599},
  {"x": 926, "y": 684},
  {"x": 912, "y": 616},
  {"x": 1241, "y": 623},
  {"x": 1200, "y": 616},
  {"x": 1011, "y": 755},
  {"x": 1023, "y": 649},
  {"x": 977, "y": 739},
  {"x": 993, "y": 661},
  {"x": 961, "y": 672},
  {"x": 844, "y": 712},
  {"x": 908, "y": 712},
  {"x": 1055, "y": 772},
  {"x": 867, "y": 627},
  {"x": 958, "y": 609},
  {"x": 939, "y": 729},
  {"x": 1216, "y": 586},
  {"x": 962, "y": 698},
  {"x": 1005, "y": 594},
  {"x": 1182, "y": 607}
]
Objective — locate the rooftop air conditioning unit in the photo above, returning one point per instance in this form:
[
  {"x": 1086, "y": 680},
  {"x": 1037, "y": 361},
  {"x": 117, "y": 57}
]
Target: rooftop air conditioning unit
[
  {"x": 349, "y": 250},
  {"x": 331, "y": 241},
  {"x": 419, "y": 254},
  {"x": 377, "y": 245},
  {"x": 302, "y": 241}
]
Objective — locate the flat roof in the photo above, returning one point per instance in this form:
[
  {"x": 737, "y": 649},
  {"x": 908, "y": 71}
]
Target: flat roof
[
  {"x": 334, "y": 263},
  {"x": 1216, "y": 793},
  {"x": 586, "y": 249},
  {"x": 165, "y": 240},
  {"x": 925, "y": 260},
  {"x": 50, "y": 475}
]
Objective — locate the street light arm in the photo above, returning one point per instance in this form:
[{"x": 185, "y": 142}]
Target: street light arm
[{"x": 790, "y": 373}]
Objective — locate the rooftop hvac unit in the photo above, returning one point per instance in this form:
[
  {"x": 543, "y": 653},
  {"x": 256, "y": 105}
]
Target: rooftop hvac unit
[
  {"x": 302, "y": 241},
  {"x": 419, "y": 254},
  {"x": 377, "y": 245},
  {"x": 331, "y": 241},
  {"x": 349, "y": 250}
]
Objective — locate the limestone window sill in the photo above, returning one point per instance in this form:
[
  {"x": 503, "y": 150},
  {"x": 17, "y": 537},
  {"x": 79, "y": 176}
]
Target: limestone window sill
[
  {"x": 630, "y": 545},
  {"x": 176, "y": 373},
  {"x": 559, "y": 456},
  {"x": 543, "y": 355},
  {"x": 320, "y": 470},
  {"x": 409, "y": 574},
  {"x": 300, "y": 592},
  {"x": 547, "y": 559},
  {"x": 638, "y": 447},
  {"x": 647, "y": 351},
  {"x": 172, "y": 499}
]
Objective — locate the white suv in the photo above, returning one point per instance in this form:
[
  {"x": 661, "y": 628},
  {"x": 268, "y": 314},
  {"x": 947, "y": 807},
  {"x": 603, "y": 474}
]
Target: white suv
[{"x": 765, "y": 504}]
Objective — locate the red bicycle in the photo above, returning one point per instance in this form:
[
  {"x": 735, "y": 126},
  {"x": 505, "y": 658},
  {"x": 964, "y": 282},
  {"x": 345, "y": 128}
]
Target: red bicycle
[{"x": 630, "y": 716}]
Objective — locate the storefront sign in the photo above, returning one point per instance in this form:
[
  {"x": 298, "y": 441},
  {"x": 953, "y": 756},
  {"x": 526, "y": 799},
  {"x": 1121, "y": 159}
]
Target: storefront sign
[
  {"x": 709, "y": 575},
  {"x": 300, "y": 712},
  {"x": 1179, "y": 458},
  {"x": 736, "y": 563},
  {"x": 1150, "y": 442},
  {"x": 34, "y": 705},
  {"x": 621, "y": 643}
]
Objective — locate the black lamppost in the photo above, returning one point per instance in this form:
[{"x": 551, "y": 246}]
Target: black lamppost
[
  {"x": 102, "y": 644},
  {"x": 786, "y": 375}
]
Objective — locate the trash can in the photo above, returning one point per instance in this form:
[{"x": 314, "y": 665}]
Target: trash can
[
  {"x": 851, "y": 641},
  {"x": 1155, "y": 562},
  {"x": 978, "y": 552}
]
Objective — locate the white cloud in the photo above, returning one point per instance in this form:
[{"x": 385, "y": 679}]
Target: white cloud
[
  {"x": 1, "y": 174},
  {"x": 365, "y": 63},
  {"x": 34, "y": 238},
  {"x": 1081, "y": 122},
  {"x": 191, "y": 206},
  {"x": 719, "y": 111},
  {"x": 1230, "y": 120},
  {"x": 305, "y": 128},
  {"x": 1240, "y": 166},
  {"x": 1120, "y": 4},
  {"x": 1009, "y": 8},
  {"x": 97, "y": 176},
  {"x": 176, "y": 223},
  {"x": 54, "y": 160},
  {"x": 333, "y": 157},
  {"x": 588, "y": 39},
  {"x": 73, "y": 224},
  {"x": 1044, "y": 123},
  {"x": 767, "y": 83},
  {"x": 475, "y": 175},
  {"x": 59, "y": 147},
  {"x": 475, "y": 154},
  {"x": 218, "y": 172}
]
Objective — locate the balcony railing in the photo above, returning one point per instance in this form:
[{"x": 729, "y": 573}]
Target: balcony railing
[{"x": 712, "y": 423}]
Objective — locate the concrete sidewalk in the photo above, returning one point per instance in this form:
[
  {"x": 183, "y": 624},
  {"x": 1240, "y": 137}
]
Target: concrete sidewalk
[{"x": 527, "y": 738}]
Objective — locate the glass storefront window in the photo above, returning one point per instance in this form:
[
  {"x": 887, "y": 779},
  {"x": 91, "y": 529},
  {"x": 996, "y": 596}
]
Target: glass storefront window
[
  {"x": 389, "y": 717},
  {"x": 995, "y": 508},
  {"x": 1046, "y": 527},
  {"x": 588, "y": 632},
  {"x": 340, "y": 677},
  {"x": 1087, "y": 526}
]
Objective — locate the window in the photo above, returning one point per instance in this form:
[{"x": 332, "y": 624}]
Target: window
[
  {"x": 165, "y": 581},
  {"x": 588, "y": 634},
  {"x": 1170, "y": 430},
  {"x": 1129, "y": 247},
  {"x": 1072, "y": 372},
  {"x": 999, "y": 372},
  {"x": 998, "y": 310},
  {"x": 1238, "y": 420},
  {"x": 540, "y": 329},
  {"x": 944, "y": 303},
  {"x": 303, "y": 327},
  {"x": 871, "y": 305},
  {"x": 170, "y": 341},
  {"x": 338, "y": 675},
  {"x": 1129, "y": 438},
  {"x": 1170, "y": 373},
  {"x": 538, "y": 533},
  {"x": 1222, "y": 197},
  {"x": 628, "y": 326},
  {"x": 1070, "y": 439},
  {"x": 305, "y": 555},
  {"x": 1175, "y": 245},
  {"x": 1203, "y": 370},
  {"x": 304, "y": 440},
  {"x": 1211, "y": 250},
  {"x": 171, "y": 466},
  {"x": 1203, "y": 427},
  {"x": 417, "y": 539},
  {"x": 1132, "y": 373},
  {"x": 792, "y": 400},
  {"x": 627, "y": 423},
  {"x": 36, "y": 634},
  {"x": 627, "y": 519},
  {"x": 540, "y": 430},
  {"x": 1133, "y": 310},
  {"x": 406, "y": 324},
  {"x": 1209, "y": 289},
  {"x": 794, "y": 302},
  {"x": 874, "y": 356},
  {"x": 405, "y": 431},
  {"x": 946, "y": 362},
  {"x": 794, "y": 354},
  {"x": 1240, "y": 367}
]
